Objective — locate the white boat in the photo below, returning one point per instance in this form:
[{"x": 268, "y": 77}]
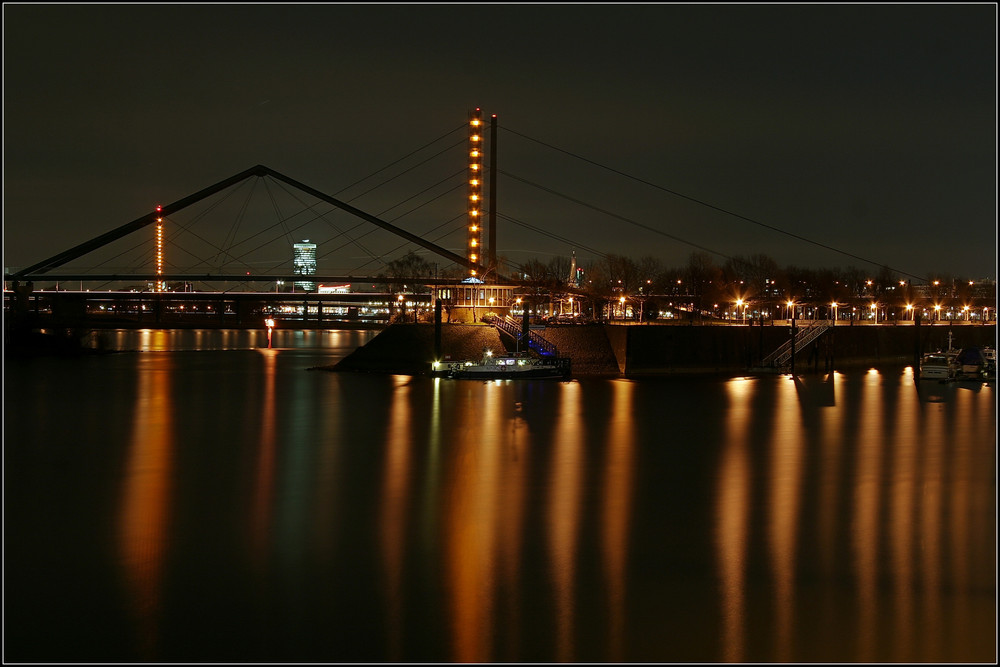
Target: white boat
[
  {"x": 504, "y": 367},
  {"x": 935, "y": 366}
]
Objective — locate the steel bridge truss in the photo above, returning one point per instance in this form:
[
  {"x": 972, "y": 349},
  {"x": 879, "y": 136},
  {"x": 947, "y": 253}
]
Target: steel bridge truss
[{"x": 41, "y": 269}]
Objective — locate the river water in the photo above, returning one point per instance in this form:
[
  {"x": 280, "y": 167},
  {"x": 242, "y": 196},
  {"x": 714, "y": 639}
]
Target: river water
[{"x": 205, "y": 499}]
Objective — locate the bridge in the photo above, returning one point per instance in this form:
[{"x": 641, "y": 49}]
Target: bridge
[
  {"x": 43, "y": 270},
  {"x": 222, "y": 256},
  {"x": 166, "y": 265}
]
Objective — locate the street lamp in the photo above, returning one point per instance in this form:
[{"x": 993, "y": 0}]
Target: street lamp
[
  {"x": 937, "y": 311},
  {"x": 788, "y": 307},
  {"x": 909, "y": 307},
  {"x": 621, "y": 302},
  {"x": 874, "y": 313},
  {"x": 269, "y": 323},
  {"x": 833, "y": 305}
]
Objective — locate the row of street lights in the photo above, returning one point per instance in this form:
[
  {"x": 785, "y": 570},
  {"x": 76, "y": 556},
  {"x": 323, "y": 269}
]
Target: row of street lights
[{"x": 966, "y": 311}]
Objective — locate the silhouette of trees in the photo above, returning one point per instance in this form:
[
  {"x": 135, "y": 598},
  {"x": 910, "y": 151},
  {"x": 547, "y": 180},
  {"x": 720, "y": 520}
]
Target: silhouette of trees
[{"x": 398, "y": 271}]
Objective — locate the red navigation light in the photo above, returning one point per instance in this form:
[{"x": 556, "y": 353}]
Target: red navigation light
[{"x": 159, "y": 208}]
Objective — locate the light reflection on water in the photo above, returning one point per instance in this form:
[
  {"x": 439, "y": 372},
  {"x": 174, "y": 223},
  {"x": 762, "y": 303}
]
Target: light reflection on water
[
  {"x": 345, "y": 517},
  {"x": 172, "y": 340},
  {"x": 145, "y": 504}
]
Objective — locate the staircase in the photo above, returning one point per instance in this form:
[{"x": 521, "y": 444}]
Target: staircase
[
  {"x": 805, "y": 335},
  {"x": 512, "y": 327}
]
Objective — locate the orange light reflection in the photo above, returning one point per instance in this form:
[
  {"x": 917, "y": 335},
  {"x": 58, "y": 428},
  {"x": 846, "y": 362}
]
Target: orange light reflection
[
  {"x": 263, "y": 496},
  {"x": 618, "y": 482},
  {"x": 732, "y": 517},
  {"x": 787, "y": 453},
  {"x": 146, "y": 495},
  {"x": 392, "y": 519},
  {"x": 472, "y": 527},
  {"x": 865, "y": 542},
  {"x": 564, "y": 514}
]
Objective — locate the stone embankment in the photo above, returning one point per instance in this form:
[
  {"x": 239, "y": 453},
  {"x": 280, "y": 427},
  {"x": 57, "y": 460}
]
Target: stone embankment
[
  {"x": 665, "y": 349},
  {"x": 408, "y": 349}
]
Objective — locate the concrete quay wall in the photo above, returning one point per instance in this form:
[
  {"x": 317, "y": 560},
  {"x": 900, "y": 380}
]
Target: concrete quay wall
[
  {"x": 733, "y": 349},
  {"x": 633, "y": 350}
]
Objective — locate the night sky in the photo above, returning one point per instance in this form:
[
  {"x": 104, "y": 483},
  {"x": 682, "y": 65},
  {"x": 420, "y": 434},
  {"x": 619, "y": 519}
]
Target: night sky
[{"x": 865, "y": 134}]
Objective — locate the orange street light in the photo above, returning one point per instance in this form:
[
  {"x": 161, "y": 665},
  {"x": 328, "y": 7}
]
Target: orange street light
[{"x": 269, "y": 323}]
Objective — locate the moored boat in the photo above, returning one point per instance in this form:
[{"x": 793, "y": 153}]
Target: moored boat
[
  {"x": 990, "y": 367},
  {"x": 504, "y": 367},
  {"x": 969, "y": 364},
  {"x": 935, "y": 366}
]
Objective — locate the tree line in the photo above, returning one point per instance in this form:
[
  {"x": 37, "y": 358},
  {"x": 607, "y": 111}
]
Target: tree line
[{"x": 703, "y": 281}]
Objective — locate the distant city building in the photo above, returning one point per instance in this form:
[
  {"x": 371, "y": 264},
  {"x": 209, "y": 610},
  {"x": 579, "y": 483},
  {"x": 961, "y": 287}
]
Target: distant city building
[
  {"x": 304, "y": 263},
  {"x": 575, "y": 273}
]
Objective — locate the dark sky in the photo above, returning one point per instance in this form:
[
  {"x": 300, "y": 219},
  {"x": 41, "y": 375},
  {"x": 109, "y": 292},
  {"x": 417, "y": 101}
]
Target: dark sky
[{"x": 866, "y": 132}]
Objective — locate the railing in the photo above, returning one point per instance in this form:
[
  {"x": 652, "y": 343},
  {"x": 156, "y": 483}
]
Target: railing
[
  {"x": 805, "y": 335},
  {"x": 512, "y": 327}
]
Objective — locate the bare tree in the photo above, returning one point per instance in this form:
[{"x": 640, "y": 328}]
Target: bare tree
[{"x": 406, "y": 268}]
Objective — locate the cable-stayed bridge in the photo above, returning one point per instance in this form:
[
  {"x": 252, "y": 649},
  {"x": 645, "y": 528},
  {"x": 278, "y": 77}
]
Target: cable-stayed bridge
[
  {"x": 241, "y": 230},
  {"x": 238, "y": 237}
]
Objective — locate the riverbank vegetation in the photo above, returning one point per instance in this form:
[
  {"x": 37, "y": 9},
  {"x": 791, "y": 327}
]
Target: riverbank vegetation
[{"x": 751, "y": 287}]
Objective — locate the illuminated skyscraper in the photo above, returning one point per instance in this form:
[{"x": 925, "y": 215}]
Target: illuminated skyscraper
[{"x": 304, "y": 263}]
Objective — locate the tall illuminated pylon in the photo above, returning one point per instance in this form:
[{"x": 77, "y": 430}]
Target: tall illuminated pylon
[
  {"x": 473, "y": 251},
  {"x": 159, "y": 252}
]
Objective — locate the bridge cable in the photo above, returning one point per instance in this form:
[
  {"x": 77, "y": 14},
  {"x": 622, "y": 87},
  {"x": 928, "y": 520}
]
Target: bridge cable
[
  {"x": 620, "y": 217},
  {"x": 395, "y": 162},
  {"x": 277, "y": 210},
  {"x": 711, "y": 206},
  {"x": 460, "y": 216},
  {"x": 551, "y": 235},
  {"x": 416, "y": 208},
  {"x": 402, "y": 215},
  {"x": 231, "y": 236},
  {"x": 146, "y": 259},
  {"x": 360, "y": 224},
  {"x": 322, "y": 217},
  {"x": 406, "y": 171}
]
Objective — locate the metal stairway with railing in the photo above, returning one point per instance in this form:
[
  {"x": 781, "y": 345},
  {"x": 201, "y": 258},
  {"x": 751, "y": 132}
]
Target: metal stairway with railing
[
  {"x": 807, "y": 334},
  {"x": 536, "y": 343}
]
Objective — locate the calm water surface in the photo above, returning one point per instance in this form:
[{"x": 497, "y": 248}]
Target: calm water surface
[{"x": 208, "y": 500}]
